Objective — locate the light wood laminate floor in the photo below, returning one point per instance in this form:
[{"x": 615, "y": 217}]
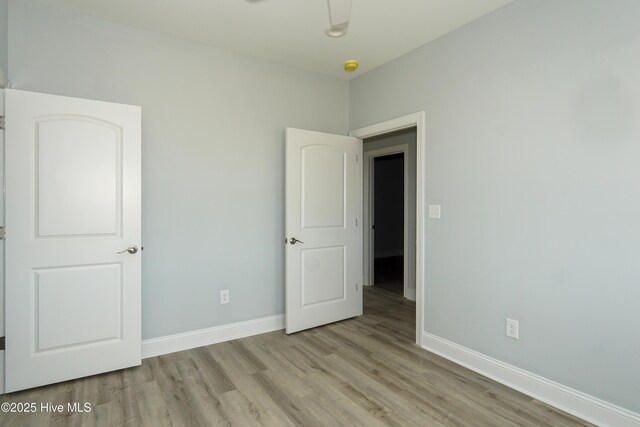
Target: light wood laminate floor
[{"x": 360, "y": 372}]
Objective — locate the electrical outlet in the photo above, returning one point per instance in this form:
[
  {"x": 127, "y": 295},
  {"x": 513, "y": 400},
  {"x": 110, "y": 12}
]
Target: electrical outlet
[
  {"x": 512, "y": 328},
  {"x": 224, "y": 296}
]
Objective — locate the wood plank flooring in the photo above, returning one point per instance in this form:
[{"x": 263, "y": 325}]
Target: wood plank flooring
[{"x": 360, "y": 372}]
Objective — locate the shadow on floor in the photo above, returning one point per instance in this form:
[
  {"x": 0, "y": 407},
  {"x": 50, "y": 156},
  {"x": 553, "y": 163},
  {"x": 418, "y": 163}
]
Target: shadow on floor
[{"x": 388, "y": 273}]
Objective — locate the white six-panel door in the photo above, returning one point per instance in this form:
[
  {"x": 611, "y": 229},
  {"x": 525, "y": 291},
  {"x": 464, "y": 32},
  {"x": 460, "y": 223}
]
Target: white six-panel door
[
  {"x": 73, "y": 170},
  {"x": 323, "y": 214}
]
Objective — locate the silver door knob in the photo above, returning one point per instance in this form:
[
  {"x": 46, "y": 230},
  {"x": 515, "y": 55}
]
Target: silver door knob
[
  {"x": 131, "y": 249},
  {"x": 293, "y": 241}
]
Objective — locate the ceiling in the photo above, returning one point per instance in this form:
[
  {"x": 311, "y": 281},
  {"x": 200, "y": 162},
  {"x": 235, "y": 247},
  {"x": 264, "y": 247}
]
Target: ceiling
[{"x": 292, "y": 31}]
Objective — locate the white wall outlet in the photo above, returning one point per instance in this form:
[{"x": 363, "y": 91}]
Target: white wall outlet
[
  {"x": 512, "y": 328},
  {"x": 435, "y": 211},
  {"x": 224, "y": 296}
]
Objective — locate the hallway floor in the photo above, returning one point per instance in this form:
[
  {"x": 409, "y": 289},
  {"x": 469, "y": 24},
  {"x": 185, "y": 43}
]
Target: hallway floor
[{"x": 388, "y": 273}]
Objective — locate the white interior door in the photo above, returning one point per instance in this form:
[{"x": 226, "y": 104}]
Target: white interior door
[
  {"x": 323, "y": 216},
  {"x": 72, "y": 207}
]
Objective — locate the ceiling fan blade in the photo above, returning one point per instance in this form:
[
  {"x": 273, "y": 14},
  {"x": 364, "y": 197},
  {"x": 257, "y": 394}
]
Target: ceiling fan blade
[{"x": 339, "y": 12}]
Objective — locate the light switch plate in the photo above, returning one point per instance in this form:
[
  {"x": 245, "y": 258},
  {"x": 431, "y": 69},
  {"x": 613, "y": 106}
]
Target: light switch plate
[{"x": 435, "y": 211}]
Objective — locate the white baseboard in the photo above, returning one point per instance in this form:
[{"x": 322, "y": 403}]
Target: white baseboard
[
  {"x": 582, "y": 405},
  {"x": 202, "y": 337},
  {"x": 1, "y": 371},
  {"x": 410, "y": 294}
]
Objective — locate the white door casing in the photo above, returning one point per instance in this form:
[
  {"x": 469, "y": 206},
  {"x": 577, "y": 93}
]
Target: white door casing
[
  {"x": 73, "y": 200},
  {"x": 323, "y": 210},
  {"x": 2, "y": 270}
]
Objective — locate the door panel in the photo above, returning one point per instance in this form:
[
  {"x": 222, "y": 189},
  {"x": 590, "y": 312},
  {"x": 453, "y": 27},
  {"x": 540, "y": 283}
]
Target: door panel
[
  {"x": 73, "y": 202},
  {"x": 78, "y": 177},
  {"x": 323, "y": 205},
  {"x": 322, "y": 275},
  {"x": 77, "y": 306},
  {"x": 323, "y": 189}
]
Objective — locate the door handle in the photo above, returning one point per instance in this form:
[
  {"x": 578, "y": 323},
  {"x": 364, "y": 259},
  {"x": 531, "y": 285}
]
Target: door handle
[
  {"x": 131, "y": 249},
  {"x": 293, "y": 241}
]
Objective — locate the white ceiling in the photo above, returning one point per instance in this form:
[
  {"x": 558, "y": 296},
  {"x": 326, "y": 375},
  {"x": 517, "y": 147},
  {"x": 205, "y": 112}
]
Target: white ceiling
[{"x": 292, "y": 31}]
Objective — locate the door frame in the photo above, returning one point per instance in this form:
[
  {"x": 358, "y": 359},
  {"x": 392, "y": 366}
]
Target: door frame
[
  {"x": 369, "y": 200},
  {"x": 417, "y": 120},
  {"x": 2, "y": 242}
]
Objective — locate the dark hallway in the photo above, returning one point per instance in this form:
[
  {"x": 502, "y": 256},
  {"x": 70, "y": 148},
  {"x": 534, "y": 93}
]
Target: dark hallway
[{"x": 389, "y": 222}]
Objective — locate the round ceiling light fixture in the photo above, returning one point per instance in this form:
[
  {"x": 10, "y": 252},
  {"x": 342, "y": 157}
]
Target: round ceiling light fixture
[{"x": 351, "y": 65}]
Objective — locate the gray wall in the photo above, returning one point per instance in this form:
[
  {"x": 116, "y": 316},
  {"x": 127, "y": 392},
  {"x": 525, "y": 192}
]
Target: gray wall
[
  {"x": 4, "y": 44},
  {"x": 406, "y": 136},
  {"x": 213, "y": 150},
  {"x": 388, "y": 204},
  {"x": 533, "y": 150}
]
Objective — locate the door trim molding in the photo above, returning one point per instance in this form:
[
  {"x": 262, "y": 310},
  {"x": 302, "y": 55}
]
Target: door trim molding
[
  {"x": 417, "y": 120},
  {"x": 369, "y": 186},
  {"x": 2, "y": 372},
  {"x": 217, "y": 334},
  {"x": 582, "y": 405},
  {"x": 4, "y": 81}
]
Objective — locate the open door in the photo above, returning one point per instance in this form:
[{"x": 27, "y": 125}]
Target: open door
[
  {"x": 73, "y": 230},
  {"x": 323, "y": 228}
]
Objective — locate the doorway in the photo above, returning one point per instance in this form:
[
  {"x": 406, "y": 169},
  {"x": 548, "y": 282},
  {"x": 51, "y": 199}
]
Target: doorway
[
  {"x": 388, "y": 223},
  {"x": 389, "y": 212},
  {"x": 385, "y": 139}
]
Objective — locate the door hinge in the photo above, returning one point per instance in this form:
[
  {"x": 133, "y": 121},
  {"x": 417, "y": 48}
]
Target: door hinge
[
  {"x": 356, "y": 222},
  {"x": 2, "y": 346},
  {"x": 2, "y": 122},
  {"x": 356, "y": 157},
  {"x": 2, "y": 233},
  {"x": 356, "y": 286}
]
